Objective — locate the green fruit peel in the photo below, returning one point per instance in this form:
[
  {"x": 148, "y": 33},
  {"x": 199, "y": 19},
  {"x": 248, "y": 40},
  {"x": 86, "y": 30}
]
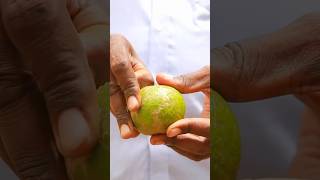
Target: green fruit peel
[
  {"x": 160, "y": 107},
  {"x": 96, "y": 165},
  {"x": 225, "y": 138}
]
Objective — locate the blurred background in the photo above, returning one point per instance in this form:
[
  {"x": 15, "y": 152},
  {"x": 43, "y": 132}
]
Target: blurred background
[
  {"x": 5, "y": 172},
  {"x": 269, "y": 128}
]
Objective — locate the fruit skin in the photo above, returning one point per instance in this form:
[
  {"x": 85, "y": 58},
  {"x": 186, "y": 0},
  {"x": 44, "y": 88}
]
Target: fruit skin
[
  {"x": 225, "y": 138},
  {"x": 160, "y": 107},
  {"x": 96, "y": 165}
]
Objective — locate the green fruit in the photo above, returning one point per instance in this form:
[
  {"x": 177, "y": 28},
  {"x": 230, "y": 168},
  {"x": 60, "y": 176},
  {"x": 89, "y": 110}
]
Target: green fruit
[
  {"x": 160, "y": 107},
  {"x": 225, "y": 140},
  {"x": 96, "y": 165}
]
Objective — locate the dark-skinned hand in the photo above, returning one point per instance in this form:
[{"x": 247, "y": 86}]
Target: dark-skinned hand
[
  {"x": 48, "y": 100},
  {"x": 284, "y": 62},
  {"x": 127, "y": 75},
  {"x": 189, "y": 137}
]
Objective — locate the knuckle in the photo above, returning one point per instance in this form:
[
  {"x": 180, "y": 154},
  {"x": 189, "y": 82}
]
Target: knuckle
[
  {"x": 184, "y": 81},
  {"x": 241, "y": 72},
  {"x": 66, "y": 88},
  {"x": 189, "y": 126},
  {"x": 122, "y": 116},
  {"x": 117, "y": 37},
  {"x": 31, "y": 165},
  {"x": 113, "y": 89},
  {"x": 171, "y": 141},
  {"x": 130, "y": 87},
  {"x": 146, "y": 81},
  {"x": 24, "y": 14},
  {"x": 119, "y": 67}
]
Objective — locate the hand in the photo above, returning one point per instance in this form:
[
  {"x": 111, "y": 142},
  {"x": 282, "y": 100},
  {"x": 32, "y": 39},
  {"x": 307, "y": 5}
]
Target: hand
[
  {"x": 128, "y": 75},
  {"x": 189, "y": 137},
  {"x": 46, "y": 83},
  {"x": 279, "y": 63},
  {"x": 283, "y": 62}
]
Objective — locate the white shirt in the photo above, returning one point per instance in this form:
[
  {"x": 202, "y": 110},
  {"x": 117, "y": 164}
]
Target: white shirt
[{"x": 171, "y": 36}]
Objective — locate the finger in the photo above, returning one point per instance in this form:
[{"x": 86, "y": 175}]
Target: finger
[
  {"x": 197, "y": 126},
  {"x": 189, "y": 155},
  {"x": 86, "y": 14},
  {"x": 25, "y": 132},
  {"x": 90, "y": 20},
  {"x": 190, "y": 143},
  {"x": 143, "y": 75},
  {"x": 119, "y": 110},
  {"x": 271, "y": 65},
  {"x": 58, "y": 62},
  {"x": 26, "y": 136},
  {"x": 24, "y": 123},
  {"x": 121, "y": 68},
  {"x": 96, "y": 45},
  {"x": 188, "y": 83}
]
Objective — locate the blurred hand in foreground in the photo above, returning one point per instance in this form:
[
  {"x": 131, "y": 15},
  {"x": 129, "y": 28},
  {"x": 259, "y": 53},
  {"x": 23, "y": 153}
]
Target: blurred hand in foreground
[
  {"x": 283, "y": 62},
  {"x": 48, "y": 94}
]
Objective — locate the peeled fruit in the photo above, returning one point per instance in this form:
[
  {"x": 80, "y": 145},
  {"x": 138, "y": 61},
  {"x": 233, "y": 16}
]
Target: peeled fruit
[
  {"x": 225, "y": 140},
  {"x": 96, "y": 165},
  {"x": 160, "y": 107}
]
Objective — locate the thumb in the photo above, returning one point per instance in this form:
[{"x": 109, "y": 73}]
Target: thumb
[
  {"x": 187, "y": 83},
  {"x": 58, "y": 63}
]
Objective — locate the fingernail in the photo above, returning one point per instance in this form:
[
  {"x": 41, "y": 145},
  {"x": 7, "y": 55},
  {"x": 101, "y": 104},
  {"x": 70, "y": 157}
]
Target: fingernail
[
  {"x": 73, "y": 130},
  {"x": 174, "y": 132},
  {"x": 124, "y": 131},
  {"x": 133, "y": 103}
]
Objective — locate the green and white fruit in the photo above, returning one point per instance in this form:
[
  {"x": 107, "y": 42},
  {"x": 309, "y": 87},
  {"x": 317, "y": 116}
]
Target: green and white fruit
[
  {"x": 160, "y": 107},
  {"x": 96, "y": 165},
  {"x": 225, "y": 140}
]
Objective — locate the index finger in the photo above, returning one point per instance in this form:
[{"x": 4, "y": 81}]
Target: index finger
[
  {"x": 197, "y": 126},
  {"x": 119, "y": 110},
  {"x": 121, "y": 69},
  {"x": 144, "y": 77}
]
